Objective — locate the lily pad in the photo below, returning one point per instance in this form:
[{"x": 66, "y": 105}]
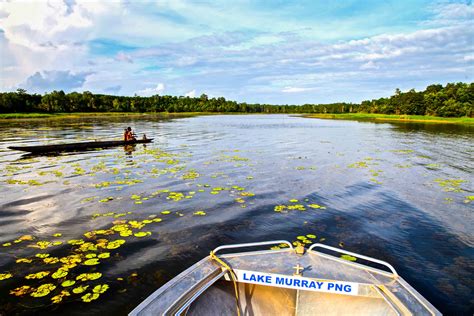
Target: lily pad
[
  {"x": 91, "y": 262},
  {"x": 348, "y": 258},
  {"x": 142, "y": 234},
  {"x": 101, "y": 288},
  {"x": 80, "y": 289},
  {"x": 37, "y": 275},
  {"x": 43, "y": 290},
  {"x": 60, "y": 273},
  {"x": 89, "y": 297},
  {"x": 22, "y": 290},
  {"x": 4, "y": 276},
  {"x": 89, "y": 276},
  {"x": 68, "y": 283}
]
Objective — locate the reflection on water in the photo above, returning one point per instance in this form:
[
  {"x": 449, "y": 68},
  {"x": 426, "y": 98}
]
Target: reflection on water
[
  {"x": 129, "y": 149},
  {"x": 398, "y": 192}
]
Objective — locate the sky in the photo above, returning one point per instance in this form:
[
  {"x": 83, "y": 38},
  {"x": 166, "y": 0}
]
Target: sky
[{"x": 276, "y": 52}]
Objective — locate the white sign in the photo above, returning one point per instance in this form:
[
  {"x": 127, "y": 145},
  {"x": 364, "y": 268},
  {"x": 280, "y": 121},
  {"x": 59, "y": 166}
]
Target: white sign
[{"x": 296, "y": 282}]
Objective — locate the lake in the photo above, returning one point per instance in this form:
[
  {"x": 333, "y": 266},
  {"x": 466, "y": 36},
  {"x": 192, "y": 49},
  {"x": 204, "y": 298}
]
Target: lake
[{"x": 133, "y": 218}]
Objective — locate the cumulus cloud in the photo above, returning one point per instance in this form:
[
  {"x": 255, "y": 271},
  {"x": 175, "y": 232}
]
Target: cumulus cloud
[
  {"x": 37, "y": 23},
  {"x": 447, "y": 13},
  {"x": 152, "y": 91},
  {"x": 54, "y": 80},
  {"x": 296, "y": 61}
]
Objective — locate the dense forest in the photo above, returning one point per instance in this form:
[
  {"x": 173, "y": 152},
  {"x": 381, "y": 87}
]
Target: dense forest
[{"x": 452, "y": 100}]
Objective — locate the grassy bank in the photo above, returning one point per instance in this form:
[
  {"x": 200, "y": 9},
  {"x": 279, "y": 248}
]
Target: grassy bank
[
  {"x": 394, "y": 118},
  {"x": 7, "y": 116},
  {"x": 345, "y": 116}
]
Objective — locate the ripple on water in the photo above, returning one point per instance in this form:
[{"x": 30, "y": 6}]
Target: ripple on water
[{"x": 376, "y": 181}]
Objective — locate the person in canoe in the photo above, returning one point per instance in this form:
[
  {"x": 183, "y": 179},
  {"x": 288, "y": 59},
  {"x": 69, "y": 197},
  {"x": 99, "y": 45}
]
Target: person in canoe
[{"x": 128, "y": 135}]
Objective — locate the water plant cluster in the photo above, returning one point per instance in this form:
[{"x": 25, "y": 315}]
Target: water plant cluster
[{"x": 61, "y": 267}]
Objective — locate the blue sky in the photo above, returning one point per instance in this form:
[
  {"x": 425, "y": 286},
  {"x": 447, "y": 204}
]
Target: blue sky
[{"x": 279, "y": 52}]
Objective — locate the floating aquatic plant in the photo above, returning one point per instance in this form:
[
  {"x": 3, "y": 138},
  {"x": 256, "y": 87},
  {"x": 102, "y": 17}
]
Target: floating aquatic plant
[
  {"x": 37, "y": 275},
  {"x": 88, "y": 277},
  {"x": 91, "y": 262},
  {"x": 58, "y": 298},
  {"x": 359, "y": 164},
  {"x": 60, "y": 273},
  {"x": 22, "y": 290},
  {"x": 190, "y": 175},
  {"x": 68, "y": 283},
  {"x": 101, "y": 288},
  {"x": 107, "y": 199},
  {"x": 25, "y": 182},
  {"x": 450, "y": 185},
  {"x": 142, "y": 234},
  {"x": 80, "y": 289},
  {"x": 403, "y": 151},
  {"x": 316, "y": 206},
  {"x": 4, "y": 276},
  {"x": 89, "y": 297},
  {"x": 43, "y": 290},
  {"x": 348, "y": 258}
]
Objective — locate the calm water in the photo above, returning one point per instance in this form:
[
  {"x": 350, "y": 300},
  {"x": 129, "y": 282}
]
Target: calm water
[{"x": 394, "y": 192}]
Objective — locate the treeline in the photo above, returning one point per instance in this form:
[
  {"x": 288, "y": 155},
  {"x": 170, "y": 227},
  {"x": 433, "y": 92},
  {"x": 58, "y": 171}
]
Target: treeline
[{"x": 453, "y": 100}]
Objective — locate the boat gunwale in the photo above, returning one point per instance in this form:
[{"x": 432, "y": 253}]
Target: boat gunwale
[
  {"x": 200, "y": 290},
  {"x": 324, "y": 255},
  {"x": 420, "y": 298},
  {"x": 155, "y": 294}
]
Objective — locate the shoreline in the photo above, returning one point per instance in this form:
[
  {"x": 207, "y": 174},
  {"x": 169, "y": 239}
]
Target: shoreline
[
  {"x": 345, "y": 116},
  {"x": 34, "y": 116},
  {"x": 394, "y": 118}
]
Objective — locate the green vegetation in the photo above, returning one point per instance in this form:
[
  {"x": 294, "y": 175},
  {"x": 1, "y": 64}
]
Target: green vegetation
[
  {"x": 452, "y": 100},
  {"x": 72, "y": 115},
  {"x": 393, "y": 117}
]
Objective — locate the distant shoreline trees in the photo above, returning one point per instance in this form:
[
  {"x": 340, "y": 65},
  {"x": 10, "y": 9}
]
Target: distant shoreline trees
[{"x": 452, "y": 100}]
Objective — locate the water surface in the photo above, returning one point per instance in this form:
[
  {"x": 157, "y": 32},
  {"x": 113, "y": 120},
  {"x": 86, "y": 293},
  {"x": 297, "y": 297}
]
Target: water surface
[{"x": 397, "y": 192}]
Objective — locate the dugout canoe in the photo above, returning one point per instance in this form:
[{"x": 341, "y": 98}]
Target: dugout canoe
[
  {"x": 287, "y": 281},
  {"x": 78, "y": 146}
]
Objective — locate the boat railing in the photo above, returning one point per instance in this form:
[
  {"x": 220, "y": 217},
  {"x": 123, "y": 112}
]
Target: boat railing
[
  {"x": 353, "y": 254},
  {"x": 253, "y": 244}
]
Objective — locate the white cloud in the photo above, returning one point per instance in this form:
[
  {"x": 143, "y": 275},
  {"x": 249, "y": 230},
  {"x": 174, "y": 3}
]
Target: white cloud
[
  {"x": 295, "y": 89},
  {"x": 191, "y": 94},
  {"x": 152, "y": 91},
  {"x": 370, "y": 65},
  {"x": 186, "y": 61},
  {"x": 447, "y": 13},
  {"x": 253, "y": 60},
  {"x": 469, "y": 57},
  {"x": 54, "y": 80},
  {"x": 121, "y": 56},
  {"x": 37, "y": 23}
]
